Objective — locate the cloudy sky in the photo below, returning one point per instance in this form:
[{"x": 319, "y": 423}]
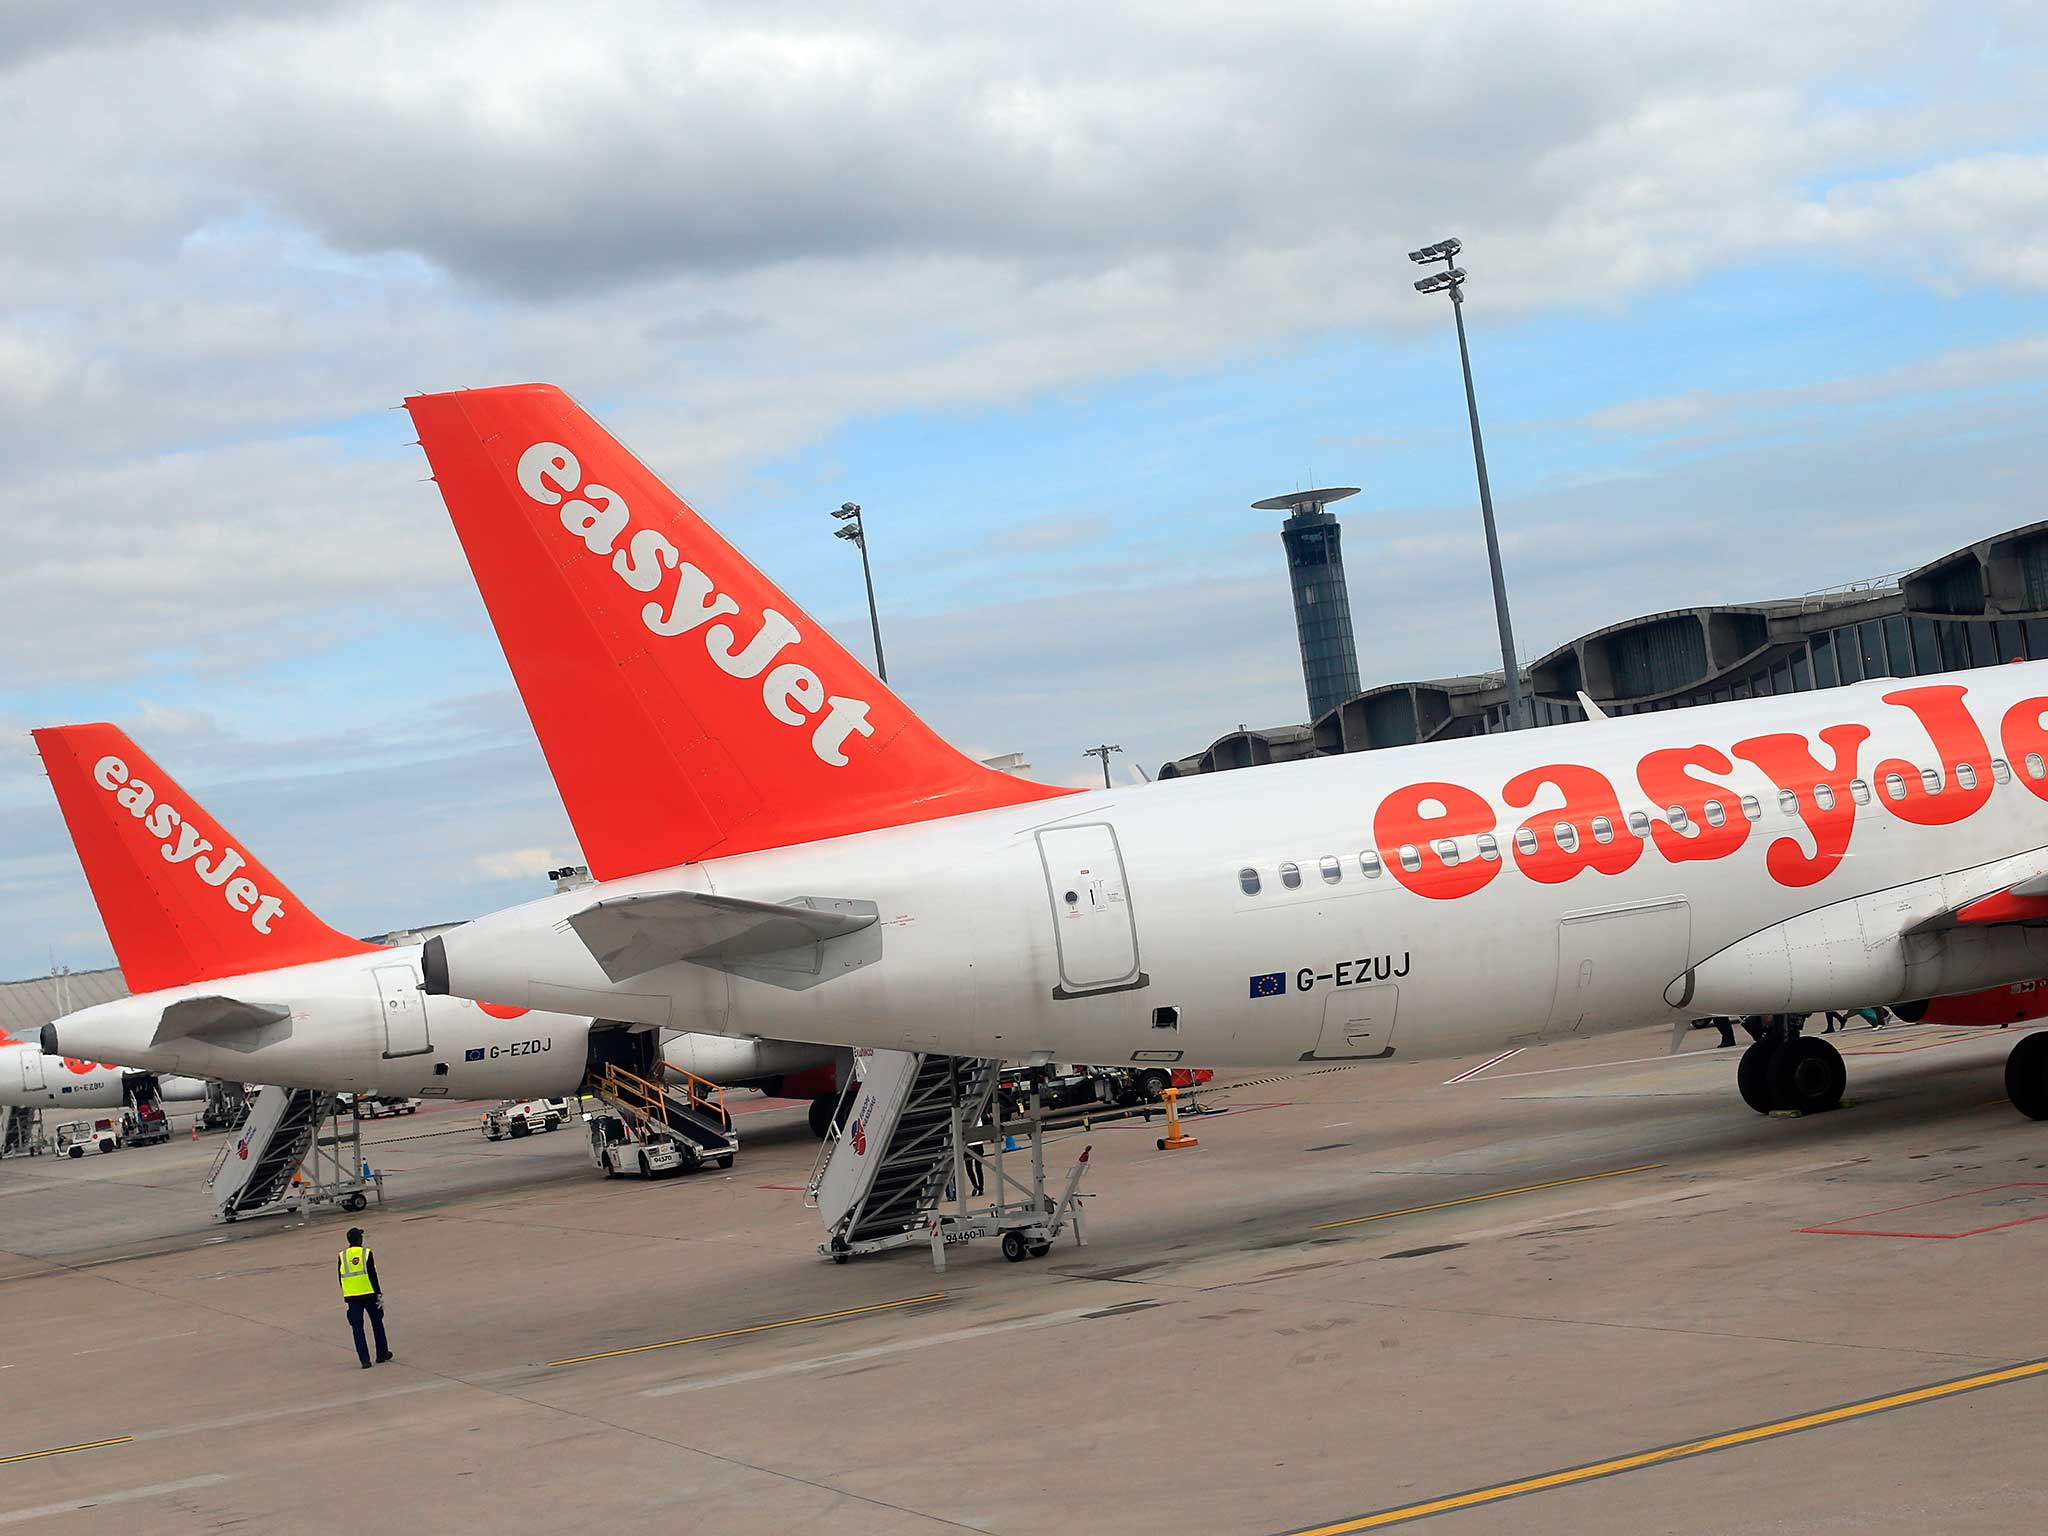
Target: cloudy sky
[{"x": 1759, "y": 303}]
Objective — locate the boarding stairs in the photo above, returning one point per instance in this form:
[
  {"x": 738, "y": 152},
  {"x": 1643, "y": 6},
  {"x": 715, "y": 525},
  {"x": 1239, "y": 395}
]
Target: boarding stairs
[
  {"x": 20, "y": 1132},
  {"x": 897, "y": 1172},
  {"x": 685, "y": 1109},
  {"x": 297, "y": 1148}
]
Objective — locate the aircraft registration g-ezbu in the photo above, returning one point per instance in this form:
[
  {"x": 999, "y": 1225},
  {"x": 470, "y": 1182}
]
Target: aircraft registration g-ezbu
[
  {"x": 783, "y": 848},
  {"x": 233, "y": 976}
]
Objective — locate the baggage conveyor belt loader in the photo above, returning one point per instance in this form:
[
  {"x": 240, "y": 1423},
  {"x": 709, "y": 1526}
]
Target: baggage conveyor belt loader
[{"x": 649, "y": 1127}]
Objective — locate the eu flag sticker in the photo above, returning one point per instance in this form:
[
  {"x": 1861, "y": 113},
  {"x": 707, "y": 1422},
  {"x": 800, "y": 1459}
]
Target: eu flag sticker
[
  {"x": 1272, "y": 984},
  {"x": 475, "y": 1053}
]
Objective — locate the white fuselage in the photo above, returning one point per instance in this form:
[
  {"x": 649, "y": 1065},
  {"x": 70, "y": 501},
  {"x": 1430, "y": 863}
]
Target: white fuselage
[
  {"x": 29, "y": 1079},
  {"x": 361, "y": 1024},
  {"x": 1119, "y": 925}
]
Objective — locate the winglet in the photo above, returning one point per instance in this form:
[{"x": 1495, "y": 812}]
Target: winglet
[{"x": 181, "y": 901}]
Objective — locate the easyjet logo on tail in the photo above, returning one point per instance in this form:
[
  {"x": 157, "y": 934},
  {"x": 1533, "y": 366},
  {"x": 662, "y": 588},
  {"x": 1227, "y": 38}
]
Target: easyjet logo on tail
[
  {"x": 182, "y": 843},
  {"x": 647, "y": 561}
]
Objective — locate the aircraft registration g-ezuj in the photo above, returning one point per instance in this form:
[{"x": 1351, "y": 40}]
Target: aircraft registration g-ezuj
[
  {"x": 30, "y": 1078},
  {"x": 233, "y": 976},
  {"x": 783, "y": 848}
]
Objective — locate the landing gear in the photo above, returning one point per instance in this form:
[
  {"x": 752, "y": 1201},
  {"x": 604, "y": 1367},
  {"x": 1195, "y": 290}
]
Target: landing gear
[
  {"x": 1783, "y": 1071},
  {"x": 2026, "y": 1076},
  {"x": 826, "y": 1108}
]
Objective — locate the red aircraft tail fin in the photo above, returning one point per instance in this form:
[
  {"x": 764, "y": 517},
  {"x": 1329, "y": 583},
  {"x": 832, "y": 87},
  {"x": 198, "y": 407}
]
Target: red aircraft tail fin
[
  {"x": 687, "y": 707},
  {"x": 181, "y": 901}
]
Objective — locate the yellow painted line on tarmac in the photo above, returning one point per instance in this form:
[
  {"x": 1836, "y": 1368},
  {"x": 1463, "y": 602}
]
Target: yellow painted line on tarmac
[
  {"x": 733, "y": 1333},
  {"x": 1498, "y": 1194},
  {"x": 1681, "y": 1451},
  {"x": 65, "y": 1450}
]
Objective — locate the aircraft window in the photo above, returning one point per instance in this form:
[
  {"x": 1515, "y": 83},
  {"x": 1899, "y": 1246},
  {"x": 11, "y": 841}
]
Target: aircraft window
[
  {"x": 2000, "y": 771},
  {"x": 1639, "y": 823},
  {"x": 1752, "y": 808},
  {"x": 1332, "y": 868},
  {"x": 1248, "y": 880},
  {"x": 2036, "y": 769},
  {"x": 1567, "y": 835},
  {"x": 1447, "y": 849},
  {"x": 1369, "y": 864},
  {"x": 1716, "y": 815},
  {"x": 1603, "y": 830},
  {"x": 1525, "y": 841},
  {"x": 1411, "y": 858},
  {"x": 1675, "y": 814},
  {"x": 1931, "y": 780},
  {"x": 1489, "y": 849},
  {"x": 1824, "y": 796},
  {"x": 1290, "y": 876},
  {"x": 1895, "y": 786},
  {"x": 1788, "y": 801},
  {"x": 1966, "y": 776},
  {"x": 1859, "y": 791}
]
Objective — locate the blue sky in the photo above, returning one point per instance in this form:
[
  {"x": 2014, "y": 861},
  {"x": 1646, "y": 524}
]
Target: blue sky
[{"x": 1752, "y": 312}]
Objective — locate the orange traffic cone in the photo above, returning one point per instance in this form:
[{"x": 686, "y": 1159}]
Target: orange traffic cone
[{"x": 195, "y": 1130}]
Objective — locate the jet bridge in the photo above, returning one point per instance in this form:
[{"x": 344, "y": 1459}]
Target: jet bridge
[
  {"x": 296, "y": 1149},
  {"x": 895, "y": 1171}
]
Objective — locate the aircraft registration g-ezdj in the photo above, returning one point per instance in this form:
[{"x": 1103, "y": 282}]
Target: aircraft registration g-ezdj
[
  {"x": 783, "y": 848},
  {"x": 234, "y": 976}
]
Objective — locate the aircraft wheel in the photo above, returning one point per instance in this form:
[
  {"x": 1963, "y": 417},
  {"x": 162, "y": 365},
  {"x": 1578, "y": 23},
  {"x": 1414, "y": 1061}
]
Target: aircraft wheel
[
  {"x": 1807, "y": 1074},
  {"x": 1753, "y": 1076},
  {"x": 821, "y": 1113},
  {"x": 2026, "y": 1076}
]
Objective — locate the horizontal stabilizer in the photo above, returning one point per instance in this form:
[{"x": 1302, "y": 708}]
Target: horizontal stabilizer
[
  {"x": 213, "y": 1018},
  {"x": 631, "y": 935}
]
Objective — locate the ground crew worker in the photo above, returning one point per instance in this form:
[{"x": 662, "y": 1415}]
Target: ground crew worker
[{"x": 357, "y": 1267}]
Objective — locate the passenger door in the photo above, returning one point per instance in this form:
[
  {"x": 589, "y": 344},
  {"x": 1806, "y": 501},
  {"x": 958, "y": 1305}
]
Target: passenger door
[
  {"x": 1094, "y": 930},
  {"x": 405, "y": 1012}
]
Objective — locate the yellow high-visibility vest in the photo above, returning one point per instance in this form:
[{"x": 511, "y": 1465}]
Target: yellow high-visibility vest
[{"x": 355, "y": 1272}]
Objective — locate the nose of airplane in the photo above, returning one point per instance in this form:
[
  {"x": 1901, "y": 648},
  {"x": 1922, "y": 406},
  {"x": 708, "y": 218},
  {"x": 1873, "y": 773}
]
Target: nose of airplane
[{"x": 49, "y": 1040}]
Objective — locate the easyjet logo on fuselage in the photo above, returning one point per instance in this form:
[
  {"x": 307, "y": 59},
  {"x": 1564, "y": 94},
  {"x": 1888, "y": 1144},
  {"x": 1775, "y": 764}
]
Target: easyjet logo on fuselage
[
  {"x": 182, "y": 843},
  {"x": 1417, "y": 827},
  {"x": 645, "y": 560}
]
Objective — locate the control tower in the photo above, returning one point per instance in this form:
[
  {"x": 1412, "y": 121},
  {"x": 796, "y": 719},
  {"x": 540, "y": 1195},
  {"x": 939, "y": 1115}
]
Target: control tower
[{"x": 1322, "y": 603}]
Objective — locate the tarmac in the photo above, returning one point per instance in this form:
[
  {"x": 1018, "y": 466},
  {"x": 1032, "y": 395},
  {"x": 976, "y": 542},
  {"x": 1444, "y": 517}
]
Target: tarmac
[{"x": 1581, "y": 1290}]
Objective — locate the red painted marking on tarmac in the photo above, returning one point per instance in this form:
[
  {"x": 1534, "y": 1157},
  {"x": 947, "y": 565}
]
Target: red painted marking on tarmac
[
  {"x": 794, "y": 1188},
  {"x": 1843, "y": 1228}
]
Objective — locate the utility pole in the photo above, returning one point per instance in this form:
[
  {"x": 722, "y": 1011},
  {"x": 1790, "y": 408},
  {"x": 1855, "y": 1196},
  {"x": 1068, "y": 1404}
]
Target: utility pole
[
  {"x": 1452, "y": 280},
  {"x": 1103, "y": 752},
  {"x": 852, "y": 531}
]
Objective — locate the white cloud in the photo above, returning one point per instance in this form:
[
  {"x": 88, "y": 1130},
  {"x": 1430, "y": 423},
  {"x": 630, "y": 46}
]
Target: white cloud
[{"x": 516, "y": 864}]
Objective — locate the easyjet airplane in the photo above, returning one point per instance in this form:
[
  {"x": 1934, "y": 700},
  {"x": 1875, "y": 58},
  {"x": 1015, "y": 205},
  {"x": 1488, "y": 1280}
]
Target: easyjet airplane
[
  {"x": 235, "y": 977},
  {"x": 785, "y": 849},
  {"x": 32, "y": 1079}
]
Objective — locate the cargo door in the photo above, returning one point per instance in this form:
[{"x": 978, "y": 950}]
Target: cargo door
[
  {"x": 1094, "y": 930},
  {"x": 1614, "y": 964},
  {"x": 1358, "y": 1023},
  {"x": 31, "y": 1070},
  {"x": 405, "y": 1012}
]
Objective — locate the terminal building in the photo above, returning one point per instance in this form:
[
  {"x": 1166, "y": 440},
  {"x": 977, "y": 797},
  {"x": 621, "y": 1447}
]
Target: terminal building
[{"x": 1976, "y": 607}]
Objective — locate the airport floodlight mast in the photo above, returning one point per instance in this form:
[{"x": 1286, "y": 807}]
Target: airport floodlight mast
[
  {"x": 1103, "y": 752},
  {"x": 851, "y": 530},
  {"x": 1452, "y": 281}
]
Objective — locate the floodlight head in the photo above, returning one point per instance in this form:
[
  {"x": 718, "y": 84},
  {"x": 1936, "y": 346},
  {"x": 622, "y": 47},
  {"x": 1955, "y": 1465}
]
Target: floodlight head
[
  {"x": 1443, "y": 250},
  {"x": 848, "y": 509},
  {"x": 851, "y": 533}
]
